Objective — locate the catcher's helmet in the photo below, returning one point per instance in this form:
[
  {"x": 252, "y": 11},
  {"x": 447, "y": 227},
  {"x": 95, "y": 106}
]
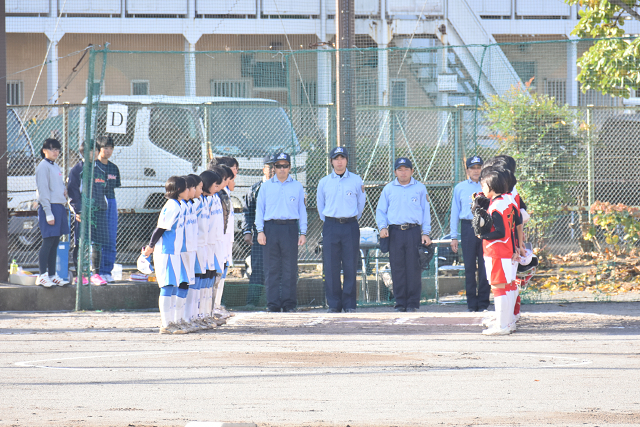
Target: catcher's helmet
[
  {"x": 144, "y": 264},
  {"x": 426, "y": 254},
  {"x": 533, "y": 264}
]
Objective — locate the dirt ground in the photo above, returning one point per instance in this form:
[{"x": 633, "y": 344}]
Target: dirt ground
[{"x": 568, "y": 364}]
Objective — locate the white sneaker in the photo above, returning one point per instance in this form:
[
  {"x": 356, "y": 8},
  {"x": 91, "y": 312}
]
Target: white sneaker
[
  {"x": 179, "y": 329},
  {"x": 488, "y": 321},
  {"x": 496, "y": 330},
  {"x": 169, "y": 329},
  {"x": 44, "y": 280},
  {"x": 108, "y": 278},
  {"x": 512, "y": 327},
  {"x": 517, "y": 317},
  {"x": 59, "y": 280}
]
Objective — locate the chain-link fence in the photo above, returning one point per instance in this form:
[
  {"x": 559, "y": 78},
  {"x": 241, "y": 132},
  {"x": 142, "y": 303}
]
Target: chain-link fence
[{"x": 170, "y": 113}]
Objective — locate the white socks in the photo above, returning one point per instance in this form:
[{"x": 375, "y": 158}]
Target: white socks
[{"x": 166, "y": 312}]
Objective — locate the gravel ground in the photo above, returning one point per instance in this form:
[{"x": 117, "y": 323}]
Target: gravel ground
[{"x": 569, "y": 364}]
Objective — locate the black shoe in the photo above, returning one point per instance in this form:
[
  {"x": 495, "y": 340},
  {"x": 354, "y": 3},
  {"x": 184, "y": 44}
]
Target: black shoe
[
  {"x": 289, "y": 310},
  {"x": 471, "y": 310},
  {"x": 333, "y": 310},
  {"x": 273, "y": 310},
  {"x": 349, "y": 310},
  {"x": 401, "y": 309},
  {"x": 411, "y": 310}
]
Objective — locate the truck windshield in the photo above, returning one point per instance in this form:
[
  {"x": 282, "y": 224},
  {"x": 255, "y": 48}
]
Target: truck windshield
[
  {"x": 250, "y": 131},
  {"x": 20, "y": 159},
  {"x": 178, "y": 131}
]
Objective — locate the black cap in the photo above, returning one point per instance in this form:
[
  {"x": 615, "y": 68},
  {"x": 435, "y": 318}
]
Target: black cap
[
  {"x": 269, "y": 158},
  {"x": 475, "y": 160},
  {"x": 403, "y": 161},
  {"x": 338, "y": 151},
  {"x": 282, "y": 156}
]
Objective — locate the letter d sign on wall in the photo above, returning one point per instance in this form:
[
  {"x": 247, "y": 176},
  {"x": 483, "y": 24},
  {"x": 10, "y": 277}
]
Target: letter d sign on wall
[{"x": 117, "y": 118}]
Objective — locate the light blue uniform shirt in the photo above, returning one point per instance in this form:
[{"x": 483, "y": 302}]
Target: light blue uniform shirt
[
  {"x": 281, "y": 200},
  {"x": 461, "y": 203},
  {"x": 340, "y": 197},
  {"x": 404, "y": 204}
]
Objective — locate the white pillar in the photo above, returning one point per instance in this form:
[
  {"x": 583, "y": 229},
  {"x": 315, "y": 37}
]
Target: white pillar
[
  {"x": 383, "y": 74},
  {"x": 572, "y": 72},
  {"x": 324, "y": 74},
  {"x": 443, "y": 97},
  {"x": 189, "y": 69},
  {"x": 191, "y": 9},
  {"x": 52, "y": 71}
]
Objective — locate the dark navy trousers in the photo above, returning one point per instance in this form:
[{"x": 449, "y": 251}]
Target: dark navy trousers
[
  {"x": 281, "y": 265},
  {"x": 405, "y": 266},
  {"x": 341, "y": 251},
  {"x": 256, "y": 281},
  {"x": 477, "y": 296}
]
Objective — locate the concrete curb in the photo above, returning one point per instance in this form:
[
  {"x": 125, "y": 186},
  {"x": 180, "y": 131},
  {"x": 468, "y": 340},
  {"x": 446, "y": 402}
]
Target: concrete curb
[
  {"x": 218, "y": 424},
  {"x": 134, "y": 296}
]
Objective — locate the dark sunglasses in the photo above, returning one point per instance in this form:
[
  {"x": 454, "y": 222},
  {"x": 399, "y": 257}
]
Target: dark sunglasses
[{"x": 282, "y": 166}]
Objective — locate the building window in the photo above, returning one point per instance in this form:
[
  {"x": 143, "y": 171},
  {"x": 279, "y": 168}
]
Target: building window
[
  {"x": 14, "y": 92},
  {"x": 525, "y": 70},
  {"x": 557, "y": 89},
  {"x": 139, "y": 87},
  {"x": 367, "y": 91},
  {"x": 399, "y": 99},
  {"x": 230, "y": 89},
  {"x": 307, "y": 93}
]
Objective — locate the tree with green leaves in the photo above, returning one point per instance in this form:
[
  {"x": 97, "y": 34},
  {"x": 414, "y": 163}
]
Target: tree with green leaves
[
  {"x": 547, "y": 142},
  {"x": 612, "y": 65}
]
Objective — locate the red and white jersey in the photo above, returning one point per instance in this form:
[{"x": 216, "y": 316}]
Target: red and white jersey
[
  {"x": 502, "y": 247},
  {"x": 516, "y": 197}
]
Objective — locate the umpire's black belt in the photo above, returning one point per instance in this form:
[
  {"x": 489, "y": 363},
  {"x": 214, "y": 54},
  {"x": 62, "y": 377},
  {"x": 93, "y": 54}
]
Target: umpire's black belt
[
  {"x": 341, "y": 220},
  {"x": 468, "y": 221},
  {"x": 403, "y": 226},
  {"x": 283, "y": 221}
]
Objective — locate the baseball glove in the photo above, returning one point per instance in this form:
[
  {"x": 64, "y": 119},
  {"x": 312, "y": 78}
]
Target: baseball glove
[
  {"x": 481, "y": 222},
  {"x": 480, "y": 201}
]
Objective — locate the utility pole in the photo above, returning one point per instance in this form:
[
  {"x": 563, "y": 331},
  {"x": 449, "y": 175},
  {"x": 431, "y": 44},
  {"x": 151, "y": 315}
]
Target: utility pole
[
  {"x": 4, "y": 211},
  {"x": 345, "y": 79}
]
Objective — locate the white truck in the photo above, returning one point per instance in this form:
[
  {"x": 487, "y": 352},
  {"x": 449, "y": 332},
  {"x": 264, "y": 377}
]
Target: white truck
[{"x": 174, "y": 135}]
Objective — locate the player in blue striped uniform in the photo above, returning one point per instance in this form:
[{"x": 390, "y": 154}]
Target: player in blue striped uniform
[{"x": 165, "y": 244}]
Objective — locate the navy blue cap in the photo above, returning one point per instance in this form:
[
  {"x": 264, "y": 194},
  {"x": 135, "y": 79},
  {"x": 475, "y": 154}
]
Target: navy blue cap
[
  {"x": 475, "y": 160},
  {"x": 403, "y": 161},
  {"x": 282, "y": 156},
  {"x": 338, "y": 151},
  {"x": 269, "y": 158}
]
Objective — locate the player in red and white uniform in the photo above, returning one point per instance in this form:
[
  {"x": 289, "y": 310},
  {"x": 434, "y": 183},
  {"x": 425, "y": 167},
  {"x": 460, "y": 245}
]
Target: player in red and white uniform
[{"x": 499, "y": 248}]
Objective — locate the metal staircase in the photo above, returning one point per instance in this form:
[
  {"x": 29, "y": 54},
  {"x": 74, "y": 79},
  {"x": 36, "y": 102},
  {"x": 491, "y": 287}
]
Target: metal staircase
[{"x": 465, "y": 59}]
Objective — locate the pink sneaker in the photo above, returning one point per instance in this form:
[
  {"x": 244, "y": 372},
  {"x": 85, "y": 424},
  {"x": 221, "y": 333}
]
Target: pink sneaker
[
  {"x": 85, "y": 280},
  {"x": 97, "y": 280}
]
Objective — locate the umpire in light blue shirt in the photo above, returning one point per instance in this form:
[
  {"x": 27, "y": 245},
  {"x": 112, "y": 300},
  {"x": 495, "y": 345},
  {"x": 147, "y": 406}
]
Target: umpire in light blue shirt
[
  {"x": 340, "y": 201},
  {"x": 281, "y": 223},
  {"x": 404, "y": 215},
  {"x": 477, "y": 296}
]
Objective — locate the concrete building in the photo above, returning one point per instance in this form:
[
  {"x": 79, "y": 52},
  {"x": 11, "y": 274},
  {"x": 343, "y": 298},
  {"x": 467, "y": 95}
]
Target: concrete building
[{"x": 59, "y": 30}]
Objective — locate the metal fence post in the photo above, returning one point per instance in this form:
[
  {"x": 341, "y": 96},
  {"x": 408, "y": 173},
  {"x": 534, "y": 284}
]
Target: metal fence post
[
  {"x": 590, "y": 161},
  {"x": 392, "y": 143},
  {"x": 456, "y": 143},
  {"x": 85, "y": 229},
  {"x": 65, "y": 141}
]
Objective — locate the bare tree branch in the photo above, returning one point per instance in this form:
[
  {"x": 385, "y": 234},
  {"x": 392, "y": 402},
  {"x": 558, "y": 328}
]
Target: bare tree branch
[{"x": 626, "y": 7}]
